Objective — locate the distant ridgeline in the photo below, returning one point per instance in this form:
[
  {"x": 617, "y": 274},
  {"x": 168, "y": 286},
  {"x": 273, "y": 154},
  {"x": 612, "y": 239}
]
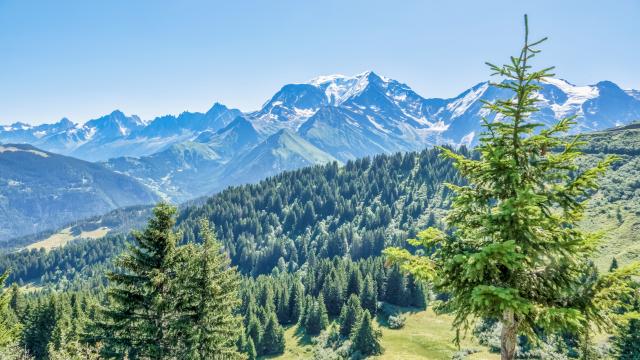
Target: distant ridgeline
[{"x": 354, "y": 210}]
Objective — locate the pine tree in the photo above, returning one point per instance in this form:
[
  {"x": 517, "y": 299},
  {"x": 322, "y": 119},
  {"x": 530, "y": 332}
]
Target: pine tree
[
  {"x": 250, "y": 349},
  {"x": 614, "y": 265},
  {"x": 395, "y": 293},
  {"x": 296, "y": 302},
  {"x": 350, "y": 315},
  {"x": 316, "y": 316},
  {"x": 354, "y": 285},
  {"x": 39, "y": 326},
  {"x": 415, "y": 293},
  {"x": 206, "y": 289},
  {"x": 627, "y": 341},
  {"x": 364, "y": 338},
  {"x": 62, "y": 338},
  {"x": 254, "y": 330},
  {"x": 514, "y": 226},
  {"x": 16, "y": 300},
  {"x": 273, "y": 337},
  {"x": 369, "y": 296},
  {"x": 138, "y": 316},
  {"x": 333, "y": 293},
  {"x": 8, "y": 324}
]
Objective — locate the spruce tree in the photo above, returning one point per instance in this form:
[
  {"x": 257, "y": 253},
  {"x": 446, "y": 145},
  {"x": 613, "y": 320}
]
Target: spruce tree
[
  {"x": 8, "y": 324},
  {"x": 354, "y": 284},
  {"x": 137, "y": 318},
  {"x": 254, "y": 330},
  {"x": 369, "y": 296},
  {"x": 273, "y": 337},
  {"x": 627, "y": 341},
  {"x": 395, "y": 290},
  {"x": 364, "y": 338},
  {"x": 206, "y": 290},
  {"x": 316, "y": 316},
  {"x": 513, "y": 250},
  {"x": 350, "y": 315},
  {"x": 296, "y": 302},
  {"x": 250, "y": 349},
  {"x": 333, "y": 293},
  {"x": 614, "y": 265}
]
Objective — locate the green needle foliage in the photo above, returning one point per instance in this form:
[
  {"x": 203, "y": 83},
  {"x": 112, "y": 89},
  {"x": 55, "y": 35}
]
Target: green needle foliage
[
  {"x": 627, "y": 341},
  {"x": 8, "y": 327},
  {"x": 140, "y": 311},
  {"x": 364, "y": 338},
  {"x": 349, "y": 316},
  {"x": 206, "y": 293},
  {"x": 513, "y": 250}
]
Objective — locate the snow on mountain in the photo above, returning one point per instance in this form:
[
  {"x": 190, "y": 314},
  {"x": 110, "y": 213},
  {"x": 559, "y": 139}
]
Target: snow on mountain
[
  {"x": 329, "y": 117},
  {"x": 633, "y": 93}
]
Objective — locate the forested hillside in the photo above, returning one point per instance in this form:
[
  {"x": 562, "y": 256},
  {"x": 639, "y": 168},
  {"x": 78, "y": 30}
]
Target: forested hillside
[
  {"x": 331, "y": 210},
  {"x": 388, "y": 197}
]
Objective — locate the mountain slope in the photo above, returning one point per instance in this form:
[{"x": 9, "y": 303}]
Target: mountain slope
[
  {"x": 282, "y": 151},
  {"x": 41, "y": 190},
  {"x": 357, "y": 209},
  {"x": 190, "y": 169}
]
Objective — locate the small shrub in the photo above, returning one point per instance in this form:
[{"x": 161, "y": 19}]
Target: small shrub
[{"x": 396, "y": 321}]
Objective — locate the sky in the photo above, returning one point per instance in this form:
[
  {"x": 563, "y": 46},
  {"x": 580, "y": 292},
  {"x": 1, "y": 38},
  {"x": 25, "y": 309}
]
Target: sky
[{"x": 82, "y": 59}]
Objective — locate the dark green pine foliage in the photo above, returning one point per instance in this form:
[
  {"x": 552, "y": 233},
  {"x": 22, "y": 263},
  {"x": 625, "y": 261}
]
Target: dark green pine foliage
[
  {"x": 39, "y": 326},
  {"x": 354, "y": 284},
  {"x": 140, "y": 310},
  {"x": 206, "y": 290},
  {"x": 296, "y": 302},
  {"x": 415, "y": 293},
  {"x": 8, "y": 321},
  {"x": 395, "y": 289},
  {"x": 316, "y": 318},
  {"x": 250, "y": 349},
  {"x": 350, "y": 315},
  {"x": 273, "y": 337},
  {"x": 254, "y": 330},
  {"x": 614, "y": 265},
  {"x": 333, "y": 293},
  {"x": 364, "y": 338},
  {"x": 627, "y": 341},
  {"x": 369, "y": 295},
  {"x": 62, "y": 335}
]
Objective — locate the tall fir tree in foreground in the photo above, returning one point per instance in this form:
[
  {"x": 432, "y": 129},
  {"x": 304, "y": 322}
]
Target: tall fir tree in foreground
[
  {"x": 206, "y": 290},
  {"x": 140, "y": 311},
  {"x": 514, "y": 251}
]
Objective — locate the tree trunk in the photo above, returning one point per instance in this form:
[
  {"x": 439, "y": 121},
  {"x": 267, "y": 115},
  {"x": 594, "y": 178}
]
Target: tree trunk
[{"x": 508, "y": 337}]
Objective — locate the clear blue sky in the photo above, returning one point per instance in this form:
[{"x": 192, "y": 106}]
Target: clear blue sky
[{"x": 82, "y": 59}]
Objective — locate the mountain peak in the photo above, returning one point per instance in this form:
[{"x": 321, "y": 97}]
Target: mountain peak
[{"x": 216, "y": 108}]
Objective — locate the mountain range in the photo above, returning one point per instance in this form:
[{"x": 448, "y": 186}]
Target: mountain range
[{"x": 330, "y": 118}]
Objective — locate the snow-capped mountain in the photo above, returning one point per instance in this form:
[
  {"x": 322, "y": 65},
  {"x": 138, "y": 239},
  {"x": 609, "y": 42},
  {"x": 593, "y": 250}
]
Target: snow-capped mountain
[
  {"x": 329, "y": 117},
  {"x": 117, "y": 134}
]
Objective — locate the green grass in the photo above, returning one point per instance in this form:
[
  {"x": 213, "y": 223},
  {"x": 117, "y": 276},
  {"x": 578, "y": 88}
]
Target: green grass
[
  {"x": 65, "y": 235},
  {"x": 424, "y": 336}
]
